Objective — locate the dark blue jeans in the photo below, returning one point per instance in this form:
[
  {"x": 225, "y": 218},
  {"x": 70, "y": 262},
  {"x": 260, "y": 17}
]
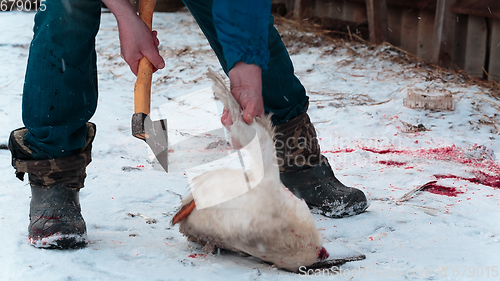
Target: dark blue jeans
[{"x": 60, "y": 89}]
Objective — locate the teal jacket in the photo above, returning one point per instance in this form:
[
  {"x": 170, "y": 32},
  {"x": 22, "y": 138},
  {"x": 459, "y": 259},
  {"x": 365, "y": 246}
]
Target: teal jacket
[{"x": 242, "y": 29}]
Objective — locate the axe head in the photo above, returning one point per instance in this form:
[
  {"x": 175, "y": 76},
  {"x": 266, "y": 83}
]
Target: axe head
[{"x": 154, "y": 133}]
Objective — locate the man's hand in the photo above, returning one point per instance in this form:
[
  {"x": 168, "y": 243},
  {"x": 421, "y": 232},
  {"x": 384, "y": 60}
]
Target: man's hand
[
  {"x": 136, "y": 40},
  {"x": 246, "y": 88}
]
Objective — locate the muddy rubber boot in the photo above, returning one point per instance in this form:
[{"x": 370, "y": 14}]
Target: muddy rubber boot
[
  {"x": 55, "y": 215},
  {"x": 55, "y": 218},
  {"x": 308, "y": 174}
]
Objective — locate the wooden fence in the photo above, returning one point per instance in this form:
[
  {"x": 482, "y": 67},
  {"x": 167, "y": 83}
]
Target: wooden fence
[{"x": 463, "y": 34}]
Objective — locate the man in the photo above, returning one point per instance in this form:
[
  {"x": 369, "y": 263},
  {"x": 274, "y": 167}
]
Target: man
[{"x": 60, "y": 96}]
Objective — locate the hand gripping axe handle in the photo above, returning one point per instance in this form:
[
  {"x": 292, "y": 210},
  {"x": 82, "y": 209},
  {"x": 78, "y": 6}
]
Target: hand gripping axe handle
[{"x": 153, "y": 132}]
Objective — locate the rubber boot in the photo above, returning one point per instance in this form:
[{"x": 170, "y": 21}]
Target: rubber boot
[
  {"x": 55, "y": 215},
  {"x": 308, "y": 174}
]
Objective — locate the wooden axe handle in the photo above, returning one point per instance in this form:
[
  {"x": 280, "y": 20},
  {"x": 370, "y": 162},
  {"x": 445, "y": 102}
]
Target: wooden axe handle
[{"x": 142, "y": 89}]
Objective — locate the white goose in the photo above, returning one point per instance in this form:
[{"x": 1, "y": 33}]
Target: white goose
[{"x": 266, "y": 221}]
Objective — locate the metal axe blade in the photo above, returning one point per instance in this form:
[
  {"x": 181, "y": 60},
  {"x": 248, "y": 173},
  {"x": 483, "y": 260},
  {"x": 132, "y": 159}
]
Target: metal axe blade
[{"x": 153, "y": 132}]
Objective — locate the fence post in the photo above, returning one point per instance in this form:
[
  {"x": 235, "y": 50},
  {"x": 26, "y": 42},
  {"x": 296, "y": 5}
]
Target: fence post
[
  {"x": 476, "y": 45},
  {"x": 302, "y": 8},
  {"x": 444, "y": 33},
  {"x": 377, "y": 20},
  {"x": 494, "y": 65}
]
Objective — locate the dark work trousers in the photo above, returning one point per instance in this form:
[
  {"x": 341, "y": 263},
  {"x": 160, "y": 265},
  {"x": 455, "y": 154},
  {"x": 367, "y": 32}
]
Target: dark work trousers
[{"x": 60, "y": 89}]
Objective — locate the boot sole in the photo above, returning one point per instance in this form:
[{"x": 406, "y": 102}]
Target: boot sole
[
  {"x": 341, "y": 211},
  {"x": 60, "y": 241}
]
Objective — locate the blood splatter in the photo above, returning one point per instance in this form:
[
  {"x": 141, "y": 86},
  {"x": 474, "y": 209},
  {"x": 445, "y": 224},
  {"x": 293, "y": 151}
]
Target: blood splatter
[
  {"x": 448, "y": 153},
  {"x": 323, "y": 254},
  {"x": 451, "y": 177},
  {"x": 487, "y": 171},
  {"x": 481, "y": 178},
  {"x": 392, "y": 163},
  {"x": 382, "y": 151},
  {"x": 442, "y": 190},
  {"x": 489, "y": 180},
  {"x": 346, "y": 150},
  {"x": 194, "y": 256}
]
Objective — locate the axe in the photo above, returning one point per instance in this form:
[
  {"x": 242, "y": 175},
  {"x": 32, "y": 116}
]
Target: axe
[{"x": 153, "y": 132}]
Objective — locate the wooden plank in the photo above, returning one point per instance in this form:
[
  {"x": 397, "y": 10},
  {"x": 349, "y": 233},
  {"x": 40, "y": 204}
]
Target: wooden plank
[
  {"x": 334, "y": 9},
  {"x": 360, "y": 13},
  {"x": 414, "y": 4},
  {"x": 408, "y": 4},
  {"x": 425, "y": 34},
  {"x": 281, "y": 7},
  {"x": 302, "y": 9},
  {"x": 475, "y": 49},
  {"x": 297, "y": 9},
  {"x": 394, "y": 26},
  {"x": 460, "y": 40},
  {"x": 494, "y": 64},
  {"x": 289, "y": 4},
  {"x": 348, "y": 11},
  {"x": 480, "y": 8},
  {"x": 377, "y": 20},
  {"x": 444, "y": 33},
  {"x": 409, "y": 30},
  {"x": 322, "y": 9}
]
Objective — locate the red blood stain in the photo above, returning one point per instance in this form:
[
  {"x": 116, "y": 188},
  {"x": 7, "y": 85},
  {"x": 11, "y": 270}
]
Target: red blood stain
[
  {"x": 442, "y": 190},
  {"x": 323, "y": 254},
  {"x": 194, "y": 256},
  {"x": 382, "y": 151},
  {"x": 450, "y": 177},
  {"x": 346, "y": 150},
  {"x": 489, "y": 180},
  {"x": 450, "y": 153},
  {"x": 392, "y": 163},
  {"x": 481, "y": 178},
  {"x": 487, "y": 171}
]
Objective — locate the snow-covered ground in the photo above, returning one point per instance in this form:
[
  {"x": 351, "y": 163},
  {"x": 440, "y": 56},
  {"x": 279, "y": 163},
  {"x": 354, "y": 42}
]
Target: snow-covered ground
[{"x": 448, "y": 231}]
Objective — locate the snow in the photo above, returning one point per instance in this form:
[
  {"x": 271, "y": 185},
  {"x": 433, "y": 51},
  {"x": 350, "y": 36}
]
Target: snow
[{"x": 356, "y": 102}]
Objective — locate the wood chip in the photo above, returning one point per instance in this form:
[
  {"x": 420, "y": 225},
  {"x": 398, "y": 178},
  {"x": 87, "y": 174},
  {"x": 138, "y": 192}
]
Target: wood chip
[{"x": 413, "y": 192}]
